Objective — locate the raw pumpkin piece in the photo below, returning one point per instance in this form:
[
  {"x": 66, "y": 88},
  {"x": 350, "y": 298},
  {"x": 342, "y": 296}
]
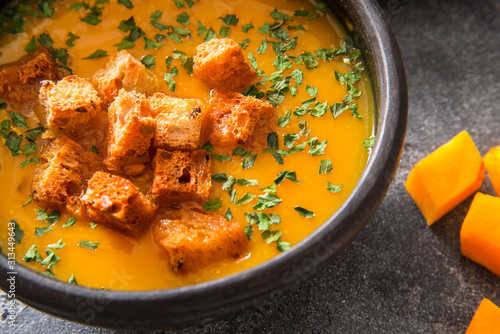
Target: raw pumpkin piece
[
  {"x": 492, "y": 164},
  {"x": 486, "y": 319},
  {"x": 446, "y": 177},
  {"x": 480, "y": 233}
]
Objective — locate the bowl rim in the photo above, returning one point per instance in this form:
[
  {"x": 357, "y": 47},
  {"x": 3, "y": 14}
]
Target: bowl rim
[{"x": 266, "y": 282}]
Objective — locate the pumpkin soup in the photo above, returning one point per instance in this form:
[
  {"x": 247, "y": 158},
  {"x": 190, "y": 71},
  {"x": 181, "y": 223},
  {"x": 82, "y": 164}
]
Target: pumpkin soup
[{"x": 260, "y": 110}]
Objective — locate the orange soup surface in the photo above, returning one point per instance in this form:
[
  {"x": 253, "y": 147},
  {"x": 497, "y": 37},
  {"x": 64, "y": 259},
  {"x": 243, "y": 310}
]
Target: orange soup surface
[{"x": 321, "y": 77}]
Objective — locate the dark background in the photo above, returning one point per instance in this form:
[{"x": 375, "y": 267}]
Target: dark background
[{"x": 399, "y": 275}]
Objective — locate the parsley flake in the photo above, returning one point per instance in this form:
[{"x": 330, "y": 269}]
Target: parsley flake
[
  {"x": 126, "y": 3},
  {"x": 212, "y": 205},
  {"x": 71, "y": 39},
  {"x": 304, "y": 212},
  {"x": 97, "y": 54},
  {"x": 368, "y": 143},
  {"x": 70, "y": 222},
  {"x": 92, "y": 245},
  {"x": 39, "y": 231},
  {"x": 247, "y": 27},
  {"x": 333, "y": 189},
  {"x": 325, "y": 167}
]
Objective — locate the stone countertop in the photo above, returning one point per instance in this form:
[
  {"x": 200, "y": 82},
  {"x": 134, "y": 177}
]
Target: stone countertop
[{"x": 399, "y": 275}]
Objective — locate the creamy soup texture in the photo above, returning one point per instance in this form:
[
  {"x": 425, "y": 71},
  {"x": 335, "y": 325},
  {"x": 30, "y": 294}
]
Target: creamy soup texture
[{"x": 317, "y": 86}]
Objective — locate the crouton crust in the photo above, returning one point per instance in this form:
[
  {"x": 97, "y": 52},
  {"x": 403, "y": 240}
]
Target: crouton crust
[
  {"x": 20, "y": 81},
  {"x": 124, "y": 71},
  {"x": 71, "y": 104},
  {"x": 195, "y": 238},
  {"x": 220, "y": 64},
  {"x": 178, "y": 122},
  {"x": 116, "y": 203},
  {"x": 61, "y": 176},
  {"x": 130, "y": 133},
  {"x": 180, "y": 176},
  {"x": 237, "y": 120}
]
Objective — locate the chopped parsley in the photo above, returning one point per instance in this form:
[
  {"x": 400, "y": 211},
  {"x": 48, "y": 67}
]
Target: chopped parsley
[
  {"x": 248, "y": 197},
  {"x": 148, "y": 61},
  {"x": 292, "y": 176},
  {"x": 267, "y": 201},
  {"x": 333, "y": 189},
  {"x": 51, "y": 260},
  {"x": 32, "y": 254},
  {"x": 368, "y": 143},
  {"x": 97, "y": 54},
  {"x": 126, "y": 3},
  {"x": 304, "y": 212},
  {"x": 92, "y": 245},
  {"x": 39, "y": 231},
  {"x": 58, "y": 245},
  {"x": 70, "y": 222},
  {"x": 229, "y": 214},
  {"x": 246, "y": 28},
  {"x": 325, "y": 167},
  {"x": 18, "y": 232},
  {"x": 221, "y": 158},
  {"x": 71, "y": 39},
  {"x": 72, "y": 280},
  {"x": 213, "y": 205}
]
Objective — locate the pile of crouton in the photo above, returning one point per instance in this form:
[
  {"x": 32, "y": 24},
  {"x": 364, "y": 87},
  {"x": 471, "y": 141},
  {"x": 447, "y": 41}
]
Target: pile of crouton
[{"x": 134, "y": 128}]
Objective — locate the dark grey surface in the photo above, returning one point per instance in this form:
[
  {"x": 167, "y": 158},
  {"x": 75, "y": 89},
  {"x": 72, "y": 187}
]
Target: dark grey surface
[{"x": 399, "y": 275}]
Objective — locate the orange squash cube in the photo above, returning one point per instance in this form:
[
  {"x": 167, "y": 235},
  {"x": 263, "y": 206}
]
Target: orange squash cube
[
  {"x": 492, "y": 165},
  {"x": 446, "y": 177},
  {"x": 486, "y": 319},
  {"x": 480, "y": 233}
]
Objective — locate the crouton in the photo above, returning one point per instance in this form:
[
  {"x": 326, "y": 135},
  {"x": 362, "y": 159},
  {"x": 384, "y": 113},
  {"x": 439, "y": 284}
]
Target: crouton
[
  {"x": 178, "y": 122},
  {"x": 195, "y": 238},
  {"x": 130, "y": 133},
  {"x": 116, "y": 203},
  {"x": 126, "y": 72},
  {"x": 71, "y": 104},
  {"x": 220, "y": 64},
  {"x": 237, "y": 120},
  {"x": 181, "y": 176},
  {"x": 61, "y": 176},
  {"x": 20, "y": 81}
]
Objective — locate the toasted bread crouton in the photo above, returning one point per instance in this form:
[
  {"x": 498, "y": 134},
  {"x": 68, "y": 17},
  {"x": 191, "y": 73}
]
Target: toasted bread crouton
[
  {"x": 220, "y": 64},
  {"x": 237, "y": 120},
  {"x": 181, "y": 176},
  {"x": 130, "y": 133},
  {"x": 126, "y": 72},
  {"x": 195, "y": 238},
  {"x": 61, "y": 176},
  {"x": 116, "y": 203},
  {"x": 178, "y": 122},
  {"x": 20, "y": 81},
  {"x": 71, "y": 104}
]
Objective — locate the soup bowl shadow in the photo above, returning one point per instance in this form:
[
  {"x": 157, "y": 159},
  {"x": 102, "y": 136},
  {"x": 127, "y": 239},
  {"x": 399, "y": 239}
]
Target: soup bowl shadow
[{"x": 264, "y": 284}]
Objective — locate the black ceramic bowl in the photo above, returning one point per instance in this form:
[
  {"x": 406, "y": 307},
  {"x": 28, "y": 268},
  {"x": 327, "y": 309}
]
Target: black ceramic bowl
[{"x": 266, "y": 283}]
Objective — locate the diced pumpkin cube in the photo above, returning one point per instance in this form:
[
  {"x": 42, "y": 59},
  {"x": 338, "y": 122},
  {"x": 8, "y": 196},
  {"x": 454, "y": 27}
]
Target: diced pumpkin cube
[
  {"x": 486, "y": 319},
  {"x": 492, "y": 165},
  {"x": 480, "y": 233},
  {"x": 446, "y": 177}
]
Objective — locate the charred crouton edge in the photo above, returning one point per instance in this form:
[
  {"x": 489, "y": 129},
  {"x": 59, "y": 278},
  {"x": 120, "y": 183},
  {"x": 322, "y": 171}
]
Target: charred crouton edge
[
  {"x": 61, "y": 176},
  {"x": 178, "y": 122},
  {"x": 71, "y": 104},
  {"x": 181, "y": 176},
  {"x": 220, "y": 64},
  {"x": 195, "y": 238},
  {"x": 124, "y": 71},
  {"x": 238, "y": 120},
  {"x": 116, "y": 203},
  {"x": 130, "y": 133}
]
